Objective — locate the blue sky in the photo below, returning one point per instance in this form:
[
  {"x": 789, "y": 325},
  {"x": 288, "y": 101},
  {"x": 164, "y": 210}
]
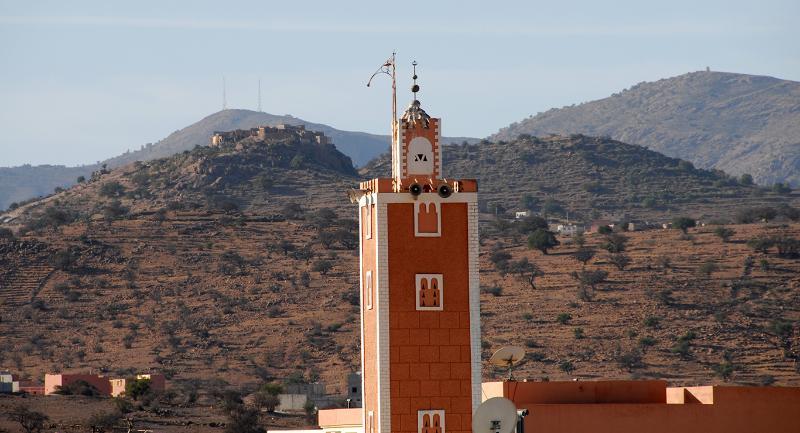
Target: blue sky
[{"x": 82, "y": 81}]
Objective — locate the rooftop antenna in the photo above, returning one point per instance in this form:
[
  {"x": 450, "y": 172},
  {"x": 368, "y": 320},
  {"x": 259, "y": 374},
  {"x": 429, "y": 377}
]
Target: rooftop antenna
[
  {"x": 508, "y": 357},
  {"x": 224, "y": 98},
  {"x": 259, "y": 94},
  {"x": 388, "y": 68}
]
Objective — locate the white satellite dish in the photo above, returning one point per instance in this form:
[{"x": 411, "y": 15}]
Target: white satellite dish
[
  {"x": 495, "y": 415},
  {"x": 508, "y": 357}
]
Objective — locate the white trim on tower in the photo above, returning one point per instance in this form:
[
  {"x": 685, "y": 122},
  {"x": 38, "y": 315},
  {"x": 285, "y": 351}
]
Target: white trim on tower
[
  {"x": 474, "y": 303},
  {"x": 382, "y": 318}
]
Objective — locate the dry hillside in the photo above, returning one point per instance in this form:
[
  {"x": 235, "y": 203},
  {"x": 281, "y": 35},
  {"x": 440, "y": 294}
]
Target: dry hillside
[
  {"x": 733, "y": 122},
  {"x": 229, "y": 268}
]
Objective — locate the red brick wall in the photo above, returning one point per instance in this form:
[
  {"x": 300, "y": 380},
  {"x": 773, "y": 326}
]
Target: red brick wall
[{"x": 430, "y": 350}]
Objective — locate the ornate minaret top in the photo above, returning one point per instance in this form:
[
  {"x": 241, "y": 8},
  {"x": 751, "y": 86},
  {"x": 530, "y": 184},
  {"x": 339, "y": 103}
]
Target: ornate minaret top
[{"x": 416, "y": 154}]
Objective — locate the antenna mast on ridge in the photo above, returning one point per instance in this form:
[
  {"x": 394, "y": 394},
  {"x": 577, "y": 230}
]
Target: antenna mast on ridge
[
  {"x": 224, "y": 98},
  {"x": 259, "y": 94},
  {"x": 389, "y": 69}
]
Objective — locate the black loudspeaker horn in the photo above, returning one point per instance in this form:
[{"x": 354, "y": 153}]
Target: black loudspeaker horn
[
  {"x": 415, "y": 189},
  {"x": 444, "y": 190}
]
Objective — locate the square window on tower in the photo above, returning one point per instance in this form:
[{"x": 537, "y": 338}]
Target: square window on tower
[
  {"x": 430, "y": 421},
  {"x": 427, "y": 219},
  {"x": 366, "y": 220},
  {"x": 429, "y": 292}
]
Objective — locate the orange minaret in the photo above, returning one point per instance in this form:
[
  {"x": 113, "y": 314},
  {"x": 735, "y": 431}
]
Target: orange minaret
[{"x": 420, "y": 306}]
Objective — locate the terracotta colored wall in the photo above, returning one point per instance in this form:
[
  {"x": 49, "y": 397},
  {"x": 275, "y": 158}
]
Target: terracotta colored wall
[
  {"x": 369, "y": 346},
  {"x": 643, "y": 406},
  {"x": 621, "y": 391},
  {"x": 52, "y": 381},
  {"x": 430, "y": 350}
]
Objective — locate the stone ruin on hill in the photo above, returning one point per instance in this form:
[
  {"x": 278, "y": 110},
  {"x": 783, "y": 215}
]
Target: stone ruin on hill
[{"x": 268, "y": 134}]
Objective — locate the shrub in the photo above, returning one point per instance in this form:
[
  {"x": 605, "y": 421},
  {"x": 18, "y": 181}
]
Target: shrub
[
  {"x": 62, "y": 260},
  {"x": 745, "y": 180},
  {"x": 630, "y": 359},
  {"x": 322, "y": 266},
  {"x": 494, "y": 290},
  {"x": 590, "y": 278},
  {"x": 263, "y": 400},
  {"x": 566, "y": 367},
  {"x": 112, "y": 189},
  {"x": 114, "y": 210},
  {"x": 604, "y": 230},
  {"x": 137, "y": 388},
  {"x": 563, "y": 318},
  {"x": 530, "y": 224},
  {"x": 615, "y": 243},
  {"x": 652, "y": 321},
  {"x": 29, "y": 420},
  {"x": 683, "y": 223},
  {"x": 761, "y": 244},
  {"x": 787, "y": 246},
  {"x": 724, "y": 233},
  {"x": 619, "y": 260},
  {"x": 102, "y": 422},
  {"x": 724, "y": 370},
  {"x": 500, "y": 260},
  {"x": 646, "y": 342},
  {"x": 527, "y": 317},
  {"x": 579, "y": 334},
  {"x": 708, "y": 268},
  {"x": 542, "y": 240},
  {"x": 6, "y": 233}
]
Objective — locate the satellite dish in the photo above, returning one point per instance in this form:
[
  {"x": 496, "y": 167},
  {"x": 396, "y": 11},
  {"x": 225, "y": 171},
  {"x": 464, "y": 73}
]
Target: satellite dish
[
  {"x": 508, "y": 357},
  {"x": 495, "y": 415}
]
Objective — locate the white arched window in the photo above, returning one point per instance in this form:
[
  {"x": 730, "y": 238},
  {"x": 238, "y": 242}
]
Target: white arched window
[{"x": 420, "y": 157}]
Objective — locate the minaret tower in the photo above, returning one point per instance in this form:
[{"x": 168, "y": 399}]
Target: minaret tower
[{"x": 420, "y": 306}]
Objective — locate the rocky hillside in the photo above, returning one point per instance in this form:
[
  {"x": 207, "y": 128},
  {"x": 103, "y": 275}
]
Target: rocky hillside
[
  {"x": 585, "y": 178},
  {"x": 733, "y": 122},
  {"x": 225, "y": 268},
  {"x": 18, "y": 184}
]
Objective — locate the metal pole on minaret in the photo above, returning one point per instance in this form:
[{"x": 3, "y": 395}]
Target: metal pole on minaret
[{"x": 385, "y": 69}]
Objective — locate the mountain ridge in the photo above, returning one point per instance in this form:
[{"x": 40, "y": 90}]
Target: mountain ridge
[
  {"x": 738, "y": 123},
  {"x": 22, "y": 183}
]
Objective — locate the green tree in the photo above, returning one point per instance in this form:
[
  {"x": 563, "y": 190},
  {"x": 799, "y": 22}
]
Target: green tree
[
  {"x": 745, "y": 180},
  {"x": 526, "y": 271},
  {"x": 530, "y": 224},
  {"x": 81, "y": 179},
  {"x": 761, "y": 244},
  {"x": 583, "y": 255},
  {"x": 619, "y": 260},
  {"x": 724, "y": 233},
  {"x": 542, "y": 240},
  {"x": 615, "y": 243},
  {"x": 137, "y": 388},
  {"x": 112, "y": 189},
  {"x": 322, "y": 266},
  {"x": 683, "y": 223}
]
